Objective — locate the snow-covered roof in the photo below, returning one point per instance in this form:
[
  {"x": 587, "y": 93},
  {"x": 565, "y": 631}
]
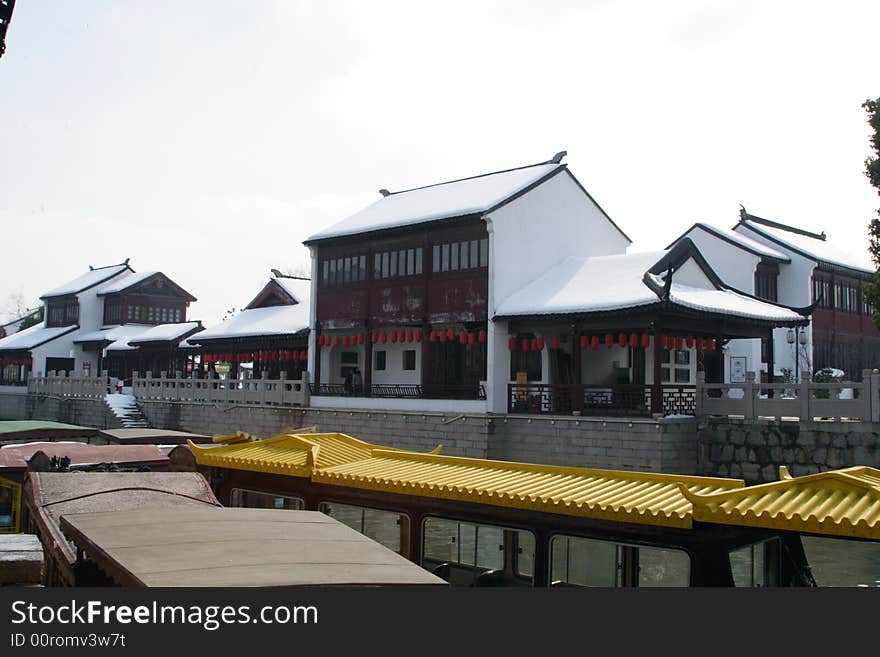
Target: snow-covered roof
[
  {"x": 89, "y": 279},
  {"x": 817, "y": 249},
  {"x": 297, "y": 288},
  {"x": 130, "y": 340},
  {"x": 606, "y": 283},
  {"x": 33, "y": 337},
  {"x": 165, "y": 332},
  {"x": 112, "y": 333},
  {"x": 13, "y": 323},
  {"x": 441, "y": 201},
  {"x": 274, "y": 320},
  {"x": 124, "y": 282},
  {"x": 744, "y": 242}
]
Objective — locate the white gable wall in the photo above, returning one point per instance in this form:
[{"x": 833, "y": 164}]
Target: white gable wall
[
  {"x": 795, "y": 289},
  {"x": 692, "y": 275},
  {"x": 540, "y": 228},
  {"x": 526, "y": 237},
  {"x": 733, "y": 265}
]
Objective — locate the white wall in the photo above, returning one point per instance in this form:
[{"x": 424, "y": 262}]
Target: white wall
[
  {"x": 527, "y": 237},
  {"x": 733, "y": 265},
  {"x": 690, "y": 274},
  {"x": 394, "y": 372},
  {"x": 597, "y": 364},
  {"x": 540, "y": 228},
  {"x": 794, "y": 288}
]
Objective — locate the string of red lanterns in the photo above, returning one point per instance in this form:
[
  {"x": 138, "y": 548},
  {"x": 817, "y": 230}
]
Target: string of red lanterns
[
  {"x": 404, "y": 336},
  {"x": 16, "y": 361}
]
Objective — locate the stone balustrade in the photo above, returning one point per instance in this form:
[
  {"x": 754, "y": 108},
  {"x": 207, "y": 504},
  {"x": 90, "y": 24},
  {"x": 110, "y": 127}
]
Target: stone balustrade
[
  {"x": 262, "y": 391},
  {"x": 805, "y": 400}
]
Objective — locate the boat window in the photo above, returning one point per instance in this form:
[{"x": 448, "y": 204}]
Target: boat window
[
  {"x": 584, "y": 562},
  {"x": 10, "y": 506},
  {"x": 468, "y": 554},
  {"x": 843, "y": 562},
  {"x": 253, "y": 499},
  {"x": 576, "y": 561},
  {"x": 750, "y": 565},
  {"x": 663, "y": 567},
  {"x": 389, "y": 528}
]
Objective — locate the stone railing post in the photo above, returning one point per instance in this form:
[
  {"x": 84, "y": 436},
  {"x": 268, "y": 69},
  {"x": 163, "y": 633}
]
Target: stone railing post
[
  {"x": 750, "y": 390},
  {"x": 700, "y": 392},
  {"x": 306, "y": 388},
  {"x": 281, "y": 396},
  {"x": 871, "y": 393},
  {"x": 804, "y": 397},
  {"x": 264, "y": 378}
]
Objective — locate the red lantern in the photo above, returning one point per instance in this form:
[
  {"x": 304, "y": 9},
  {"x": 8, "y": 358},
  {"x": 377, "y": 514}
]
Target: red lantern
[
  {"x": 344, "y": 340},
  {"x": 554, "y": 343},
  {"x": 700, "y": 344},
  {"x": 594, "y": 342},
  {"x": 481, "y": 336},
  {"x": 362, "y": 338},
  {"x": 450, "y": 333},
  {"x": 401, "y": 336},
  {"x": 442, "y": 336},
  {"x": 585, "y": 342},
  {"x": 690, "y": 341},
  {"x": 664, "y": 341},
  {"x": 320, "y": 340},
  {"x": 609, "y": 340},
  {"x": 383, "y": 337},
  {"x": 646, "y": 340},
  {"x": 511, "y": 343},
  {"x": 536, "y": 345},
  {"x": 472, "y": 338},
  {"x": 679, "y": 343},
  {"x": 375, "y": 337},
  {"x": 293, "y": 355},
  {"x": 633, "y": 340},
  {"x": 621, "y": 339},
  {"x": 409, "y": 336},
  {"x": 274, "y": 356},
  {"x": 418, "y": 335},
  {"x": 462, "y": 338},
  {"x": 304, "y": 355},
  {"x": 336, "y": 341},
  {"x": 393, "y": 336},
  {"x": 432, "y": 336},
  {"x": 710, "y": 344},
  {"x": 525, "y": 344}
]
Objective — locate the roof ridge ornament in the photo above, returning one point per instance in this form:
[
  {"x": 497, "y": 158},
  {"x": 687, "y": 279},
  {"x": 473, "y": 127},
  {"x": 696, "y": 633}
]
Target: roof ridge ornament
[
  {"x": 384, "y": 192},
  {"x": 557, "y": 159}
]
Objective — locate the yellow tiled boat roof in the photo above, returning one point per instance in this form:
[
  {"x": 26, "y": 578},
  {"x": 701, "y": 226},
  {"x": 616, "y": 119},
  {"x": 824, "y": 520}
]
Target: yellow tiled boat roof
[
  {"x": 644, "y": 498},
  {"x": 289, "y": 454},
  {"x": 839, "y": 503}
]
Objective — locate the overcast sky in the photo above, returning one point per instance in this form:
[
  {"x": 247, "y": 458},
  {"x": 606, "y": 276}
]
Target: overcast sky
[{"x": 208, "y": 139}]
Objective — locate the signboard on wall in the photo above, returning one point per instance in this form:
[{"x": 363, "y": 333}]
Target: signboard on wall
[{"x": 737, "y": 369}]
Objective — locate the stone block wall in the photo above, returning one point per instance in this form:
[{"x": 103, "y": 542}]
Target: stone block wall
[
  {"x": 82, "y": 412},
  {"x": 638, "y": 444},
  {"x": 754, "y": 450}
]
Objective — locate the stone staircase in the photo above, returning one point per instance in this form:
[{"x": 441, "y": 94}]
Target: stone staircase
[{"x": 127, "y": 411}]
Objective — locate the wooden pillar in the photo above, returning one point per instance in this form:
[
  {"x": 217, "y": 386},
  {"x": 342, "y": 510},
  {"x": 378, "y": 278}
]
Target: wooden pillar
[
  {"x": 770, "y": 364},
  {"x": 368, "y": 360},
  {"x": 657, "y": 386},
  {"x": 318, "y": 349},
  {"x": 576, "y": 363}
]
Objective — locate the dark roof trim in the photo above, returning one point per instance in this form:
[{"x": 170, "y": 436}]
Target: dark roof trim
[
  {"x": 75, "y": 327},
  {"x": 158, "y": 274},
  {"x": 482, "y": 175},
  {"x": 834, "y": 268},
  {"x": 679, "y": 254},
  {"x": 180, "y": 338},
  {"x": 743, "y": 216},
  {"x": 393, "y": 230},
  {"x": 89, "y": 287},
  {"x": 272, "y": 286},
  {"x": 709, "y": 229},
  {"x": 207, "y": 342},
  {"x": 800, "y": 252}
]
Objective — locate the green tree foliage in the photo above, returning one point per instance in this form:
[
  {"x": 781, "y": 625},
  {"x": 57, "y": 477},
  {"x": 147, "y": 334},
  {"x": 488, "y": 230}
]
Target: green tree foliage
[{"x": 872, "y": 170}]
